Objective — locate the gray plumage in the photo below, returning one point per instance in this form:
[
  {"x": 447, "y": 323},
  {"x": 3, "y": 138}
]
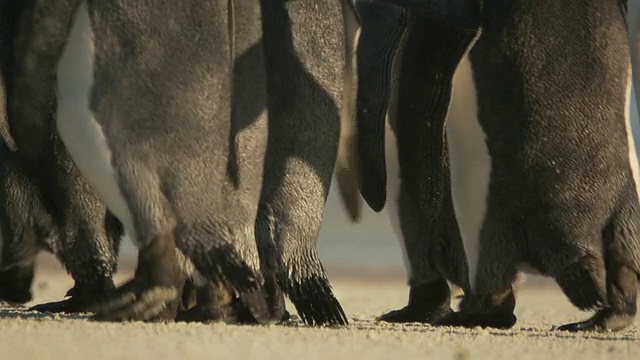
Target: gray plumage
[
  {"x": 552, "y": 80},
  {"x": 306, "y": 55},
  {"x": 57, "y": 212},
  {"x": 187, "y": 159},
  {"x": 305, "y": 52}
]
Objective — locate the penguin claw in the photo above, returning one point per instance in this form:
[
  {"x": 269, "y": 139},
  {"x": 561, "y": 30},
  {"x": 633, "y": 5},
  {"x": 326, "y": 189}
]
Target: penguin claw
[{"x": 153, "y": 304}]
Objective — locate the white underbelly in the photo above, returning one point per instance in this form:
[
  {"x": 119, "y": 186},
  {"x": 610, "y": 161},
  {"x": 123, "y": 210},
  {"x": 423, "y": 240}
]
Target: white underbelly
[
  {"x": 78, "y": 128},
  {"x": 470, "y": 164}
]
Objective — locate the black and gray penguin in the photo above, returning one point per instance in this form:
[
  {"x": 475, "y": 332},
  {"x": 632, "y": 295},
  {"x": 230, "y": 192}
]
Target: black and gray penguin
[
  {"x": 309, "y": 51},
  {"x": 544, "y": 178},
  {"x": 395, "y": 42},
  {"x": 147, "y": 113},
  {"x": 61, "y": 214}
]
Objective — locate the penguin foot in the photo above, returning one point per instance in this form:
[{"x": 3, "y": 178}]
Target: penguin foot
[
  {"x": 81, "y": 296},
  {"x": 208, "y": 314},
  {"x": 215, "y": 303},
  {"x": 153, "y": 293},
  {"x": 315, "y": 302},
  {"x": 470, "y": 320},
  {"x": 428, "y": 303},
  {"x": 604, "y": 320},
  {"x": 15, "y": 284},
  {"x": 494, "y": 311},
  {"x": 224, "y": 265},
  {"x": 409, "y": 314},
  {"x": 153, "y": 304}
]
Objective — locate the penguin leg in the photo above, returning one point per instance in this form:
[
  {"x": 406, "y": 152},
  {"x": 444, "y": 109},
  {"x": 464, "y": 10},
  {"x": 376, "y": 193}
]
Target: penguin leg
[
  {"x": 489, "y": 300},
  {"x": 90, "y": 258},
  {"x": 305, "y": 281},
  {"x": 431, "y": 54},
  {"x": 301, "y": 152},
  {"x": 25, "y": 227},
  {"x": 15, "y": 284},
  {"x": 269, "y": 267},
  {"x": 493, "y": 311},
  {"x": 621, "y": 243},
  {"x": 152, "y": 295},
  {"x": 429, "y": 294}
]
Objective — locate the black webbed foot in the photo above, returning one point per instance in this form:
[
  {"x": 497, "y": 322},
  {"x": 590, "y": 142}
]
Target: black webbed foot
[
  {"x": 495, "y": 311},
  {"x": 483, "y": 320},
  {"x": 153, "y": 294},
  {"x": 428, "y": 303},
  {"x": 81, "y": 296}
]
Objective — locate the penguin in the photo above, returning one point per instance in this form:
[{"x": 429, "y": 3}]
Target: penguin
[
  {"x": 310, "y": 89},
  {"x": 544, "y": 178},
  {"x": 146, "y": 111},
  {"x": 392, "y": 45},
  {"x": 61, "y": 215},
  {"x": 310, "y": 86}
]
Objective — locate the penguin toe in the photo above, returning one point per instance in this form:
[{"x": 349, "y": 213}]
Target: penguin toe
[
  {"x": 472, "y": 320},
  {"x": 154, "y": 304}
]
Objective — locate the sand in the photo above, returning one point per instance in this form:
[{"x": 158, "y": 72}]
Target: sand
[{"x": 27, "y": 335}]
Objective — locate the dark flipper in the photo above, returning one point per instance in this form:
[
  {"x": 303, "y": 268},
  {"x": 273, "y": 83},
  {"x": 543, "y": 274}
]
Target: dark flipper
[{"x": 383, "y": 26}]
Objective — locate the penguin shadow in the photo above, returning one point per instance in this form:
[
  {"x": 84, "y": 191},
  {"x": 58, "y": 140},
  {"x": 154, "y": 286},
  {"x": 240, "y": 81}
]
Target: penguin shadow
[
  {"x": 247, "y": 101},
  {"x": 303, "y": 117},
  {"x": 630, "y": 334},
  {"x": 247, "y": 104},
  {"x": 12, "y": 312}
]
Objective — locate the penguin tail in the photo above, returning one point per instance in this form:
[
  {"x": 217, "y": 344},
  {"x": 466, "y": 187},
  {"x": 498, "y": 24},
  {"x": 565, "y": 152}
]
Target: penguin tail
[{"x": 309, "y": 290}]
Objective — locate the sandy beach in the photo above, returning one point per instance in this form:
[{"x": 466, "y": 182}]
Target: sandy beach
[{"x": 28, "y": 335}]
